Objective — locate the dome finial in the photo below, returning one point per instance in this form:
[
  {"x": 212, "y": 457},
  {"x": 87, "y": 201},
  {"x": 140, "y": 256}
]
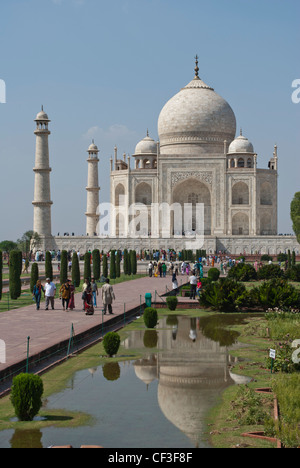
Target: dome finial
[
  {"x": 147, "y": 132},
  {"x": 196, "y": 68},
  {"x": 241, "y": 132}
]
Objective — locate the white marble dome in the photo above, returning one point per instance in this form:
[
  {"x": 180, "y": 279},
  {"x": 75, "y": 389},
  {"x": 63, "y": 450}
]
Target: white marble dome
[
  {"x": 42, "y": 116},
  {"x": 146, "y": 146},
  {"x": 241, "y": 144},
  {"x": 195, "y": 116},
  {"x": 93, "y": 147}
]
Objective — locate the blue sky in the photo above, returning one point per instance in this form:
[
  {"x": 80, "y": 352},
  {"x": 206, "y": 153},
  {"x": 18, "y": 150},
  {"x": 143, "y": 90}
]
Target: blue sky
[{"x": 104, "y": 70}]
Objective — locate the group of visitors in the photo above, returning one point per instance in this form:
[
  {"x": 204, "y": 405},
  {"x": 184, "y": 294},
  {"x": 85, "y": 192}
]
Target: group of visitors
[{"x": 67, "y": 295}]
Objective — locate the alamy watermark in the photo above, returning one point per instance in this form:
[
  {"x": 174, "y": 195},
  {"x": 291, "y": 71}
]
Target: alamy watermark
[
  {"x": 296, "y": 93},
  {"x": 2, "y": 352},
  {"x": 296, "y": 354},
  {"x": 2, "y": 92},
  {"x": 156, "y": 220}
]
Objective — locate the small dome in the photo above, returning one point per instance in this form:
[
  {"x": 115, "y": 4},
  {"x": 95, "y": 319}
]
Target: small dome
[
  {"x": 93, "y": 147},
  {"x": 146, "y": 146},
  {"x": 42, "y": 116},
  {"x": 241, "y": 145}
]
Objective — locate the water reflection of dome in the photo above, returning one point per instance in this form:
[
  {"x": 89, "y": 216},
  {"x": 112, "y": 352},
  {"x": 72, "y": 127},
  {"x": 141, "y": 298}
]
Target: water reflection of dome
[{"x": 146, "y": 369}]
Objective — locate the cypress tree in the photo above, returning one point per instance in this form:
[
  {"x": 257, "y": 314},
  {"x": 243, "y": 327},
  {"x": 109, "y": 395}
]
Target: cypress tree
[
  {"x": 129, "y": 263},
  {"x": 75, "y": 270},
  {"x": 1, "y": 274},
  {"x": 96, "y": 264},
  {"x": 105, "y": 267},
  {"x": 64, "y": 267},
  {"x": 293, "y": 258},
  {"x": 118, "y": 265},
  {"x": 14, "y": 275},
  {"x": 34, "y": 275},
  {"x": 125, "y": 262},
  {"x": 48, "y": 266},
  {"x": 87, "y": 266},
  {"x": 133, "y": 262},
  {"x": 112, "y": 269}
]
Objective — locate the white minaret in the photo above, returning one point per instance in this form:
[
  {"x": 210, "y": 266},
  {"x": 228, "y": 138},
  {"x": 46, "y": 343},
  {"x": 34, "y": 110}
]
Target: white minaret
[
  {"x": 42, "y": 197},
  {"x": 92, "y": 215}
]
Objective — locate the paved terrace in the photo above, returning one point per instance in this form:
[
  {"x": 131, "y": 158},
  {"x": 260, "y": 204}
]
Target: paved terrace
[{"x": 49, "y": 328}]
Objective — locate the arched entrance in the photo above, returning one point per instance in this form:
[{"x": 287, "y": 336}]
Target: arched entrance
[{"x": 193, "y": 192}]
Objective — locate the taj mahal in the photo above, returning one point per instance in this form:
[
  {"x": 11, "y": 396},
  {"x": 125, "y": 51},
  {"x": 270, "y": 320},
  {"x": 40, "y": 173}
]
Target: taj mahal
[{"x": 200, "y": 159}]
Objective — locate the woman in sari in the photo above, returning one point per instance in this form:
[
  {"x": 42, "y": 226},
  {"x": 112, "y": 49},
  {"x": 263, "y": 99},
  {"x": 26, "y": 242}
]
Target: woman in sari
[
  {"x": 72, "y": 297},
  {"x": 88, "y": 301}
]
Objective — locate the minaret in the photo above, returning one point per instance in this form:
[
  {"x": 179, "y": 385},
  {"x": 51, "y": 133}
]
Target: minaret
[
  {"x": 92, "y": 215},
  {"x": 42, "y": 198}
]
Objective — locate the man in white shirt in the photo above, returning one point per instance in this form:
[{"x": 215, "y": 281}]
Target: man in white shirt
[
  {"x": 50, "y": 290},
  {"x": 193, "y": 284}
]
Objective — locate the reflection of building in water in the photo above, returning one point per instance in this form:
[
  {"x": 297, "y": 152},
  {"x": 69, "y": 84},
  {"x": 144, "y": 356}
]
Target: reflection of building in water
[{"x": 191, "y": 371}]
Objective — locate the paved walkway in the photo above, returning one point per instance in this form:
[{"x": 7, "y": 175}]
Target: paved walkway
[{"x": 48, "y": 328}]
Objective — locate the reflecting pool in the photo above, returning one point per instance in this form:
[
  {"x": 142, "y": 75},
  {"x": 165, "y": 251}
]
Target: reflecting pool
[{"x": 158, "y": 401}]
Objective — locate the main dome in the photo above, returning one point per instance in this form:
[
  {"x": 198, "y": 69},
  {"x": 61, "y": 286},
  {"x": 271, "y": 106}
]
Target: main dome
[{"x": 194, "y": 117}]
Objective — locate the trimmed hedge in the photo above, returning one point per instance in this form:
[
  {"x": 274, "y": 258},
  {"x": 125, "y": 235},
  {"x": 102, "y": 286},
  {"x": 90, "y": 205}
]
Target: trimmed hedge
[
  {"x": 213, "y": 274},
  {"x": 150, "y": 317},
  {"x": 26, "y": 396},
  {"x": 172, "y": 302},
  {"x": 111, "y": 343}
]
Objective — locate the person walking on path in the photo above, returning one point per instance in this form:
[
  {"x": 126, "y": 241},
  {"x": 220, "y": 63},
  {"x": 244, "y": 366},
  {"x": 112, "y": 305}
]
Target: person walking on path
[
  {"x": 175, "y": 284},
  {"x": 95, "y": 293},
  {"x": 85, "y": 285},
  {"x": 108, "y": 296},
  {"x": 193, "y": 284},
  {"x": 37, "y": 293},
  {"x": 65, "y": 294},
  {"x": 72, "y": 297},
  {"x": 150, "y": 269},
  {"x": 50, "y": 291}
]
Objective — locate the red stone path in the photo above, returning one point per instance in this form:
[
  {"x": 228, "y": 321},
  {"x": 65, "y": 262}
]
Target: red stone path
[{"x": 48, "y": 328}]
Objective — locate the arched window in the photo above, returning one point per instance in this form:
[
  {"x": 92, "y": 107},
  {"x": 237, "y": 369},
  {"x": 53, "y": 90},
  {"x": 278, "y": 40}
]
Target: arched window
[
  {"x": 232, "y": 163},
  {"x": 241, "y": 162},
  {"x": 249, "y": 163}
]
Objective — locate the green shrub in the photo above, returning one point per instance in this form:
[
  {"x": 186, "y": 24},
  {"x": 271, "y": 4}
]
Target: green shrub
[
  {"x": 64, "y": 267},
  {"x": 293, "y": 273},
  {"x": 118, "y": 264},
  {"x": 243, "y": 272},
  {"x": 75, "y": 270},
  {"x": 26, "y": 396},
  {"x": 48, "y": 266},
  {"x": 266, "y": 258},
  {"x": 87, "y": 272},
  {"x": 172, "y": 302},
  {"x": 283, "y": 361},
  {"x": 213, "y": 274},
  {"x": 105, "y": 266},
  {"x": 150, "y": 317},
  {"x": 270, "y": 271},
  {"x": 112, "y": 270},
  {"x": 282, "y": 257},
  {"x": 34, "y": 276},
  {"x": 96, "y": 264},
  {"x": 14, "y": 275},
  {"x": 225, "y": 295},
  {"x": 111, "y": 343},
  {"x": 275, "y": 293}
]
